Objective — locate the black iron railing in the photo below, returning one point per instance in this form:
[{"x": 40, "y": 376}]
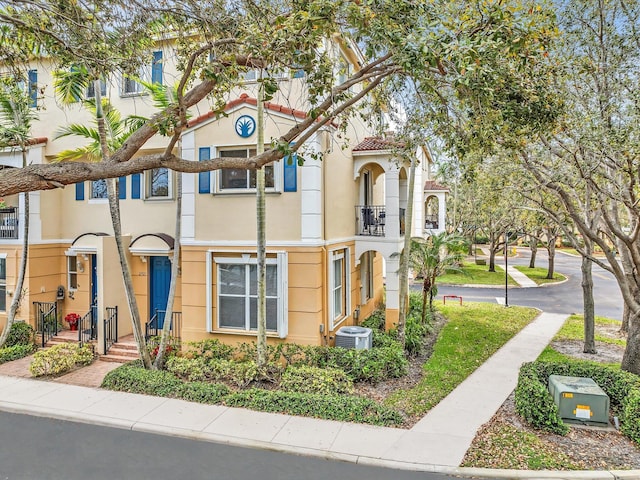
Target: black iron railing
[
  {"x": 9, "y": 222},
  {"x": 431, "y": 222},
  {"x": 87, "y": 326},
  {"x": 153, "y": 327},
  {"x": 46, "y": 320},
  {"x": 370, "y": 220},
  {"x": 110, "y": 328}
]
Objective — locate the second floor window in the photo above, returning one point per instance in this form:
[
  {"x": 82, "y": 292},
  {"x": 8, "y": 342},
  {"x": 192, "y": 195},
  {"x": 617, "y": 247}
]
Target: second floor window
[
  {"x": 240, "y": 178},
  {"x": 158, "y": 183},
  {"x": 99, "y": 189},
  {"x": 150, "y": 73}
]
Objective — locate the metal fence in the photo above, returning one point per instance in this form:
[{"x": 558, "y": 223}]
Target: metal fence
[
  {"x": 46, "y": 320},
  {"x": 87, "y": 326},
  {"x": 153, "y": 327},
  {"x": 9, "y": 222},
  {"x": 110, "y": 328}
]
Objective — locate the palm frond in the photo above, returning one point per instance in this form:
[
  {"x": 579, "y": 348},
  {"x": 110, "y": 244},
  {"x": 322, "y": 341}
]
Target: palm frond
[
  {"x": 79, "y": 131},
  {"x": 88, "y": 152},
  {"x": 70, "y": 85}
]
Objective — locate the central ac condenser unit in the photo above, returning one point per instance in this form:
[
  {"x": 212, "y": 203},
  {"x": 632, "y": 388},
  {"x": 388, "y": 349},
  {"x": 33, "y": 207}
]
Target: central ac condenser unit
[{"x": 359, "y": 338}]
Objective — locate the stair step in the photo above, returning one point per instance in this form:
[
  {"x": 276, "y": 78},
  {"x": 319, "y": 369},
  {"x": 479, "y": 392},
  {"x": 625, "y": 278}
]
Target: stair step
[
  {"x": 125, "y": 346},
  {"x": 116, "y": 358}
]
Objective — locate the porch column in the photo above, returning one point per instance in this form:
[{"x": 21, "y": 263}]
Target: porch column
[
  {"x": 392, "y": 290},
  {"x": 392, "y": 205},
  {"x": 188, "y": 213},
  {"x": 442, "y": 210},
  {"x": 311, "y": 192},
  {"x": 418, "y": 205}
]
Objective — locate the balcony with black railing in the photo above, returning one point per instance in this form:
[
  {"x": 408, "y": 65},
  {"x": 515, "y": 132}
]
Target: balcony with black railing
[
  {"x": 9, "y": 223},
  {"x": 431, "y": 222}
]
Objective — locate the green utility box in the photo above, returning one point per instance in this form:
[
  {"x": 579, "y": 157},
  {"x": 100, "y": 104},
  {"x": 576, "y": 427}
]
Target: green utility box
[{"x": 579, "y": 399}]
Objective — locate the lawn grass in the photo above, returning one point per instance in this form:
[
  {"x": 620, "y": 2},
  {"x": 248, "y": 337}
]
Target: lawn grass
[
  {"x": 475, "y": 274},
  {"x": 573, "y": 329},
  {"x": 473, "y": 333},
  {"x": 538, "y": 274}
]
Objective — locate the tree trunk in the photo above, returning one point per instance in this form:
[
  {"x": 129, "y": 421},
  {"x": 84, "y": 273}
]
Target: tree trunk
[
  {"x": 626, "y": 313},
  {"x": 533, "y": 246},
  {"x": 168, "y": 317},
  {"x": 18, "y": 293},
  {"x": 631, "y": 357},
  {"x": 138, "y": 334},
  {"x": 588, "y": 306},
  {"x": 492, "y": 258},
  {"x": 261, "y": 240},
  {"x": 403, "y": 274},
  {"x": 425, "y": 293},
  {"x": 114, "y": 210},
  {"x": 551, "y": 249}
]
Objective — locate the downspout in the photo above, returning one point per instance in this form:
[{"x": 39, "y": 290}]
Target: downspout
[{"x": 323, "y": 248}]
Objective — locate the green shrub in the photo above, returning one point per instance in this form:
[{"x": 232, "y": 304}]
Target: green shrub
[
  {"x": 60, "y": 359},
  {"x": 375, "y": 321},
  {"x": 623, "y": 388},
  {"x": 210, "y": 349},
  {"x": 202, "y": 392},
  {"x": 240, "y": 374},
  {"x": 192, "y": 369},
  {"x": 21, "y": 333},
  {"x": 373, "y": 365},
  {"x": 414, "y": 335},
  {"x": 330, "y": 407},
  {"x": 7, "y": 354},
  {"x": 324, "y": 381},
  {"x": 534, "y": 402},
  {"x": 133, "y": 378}
]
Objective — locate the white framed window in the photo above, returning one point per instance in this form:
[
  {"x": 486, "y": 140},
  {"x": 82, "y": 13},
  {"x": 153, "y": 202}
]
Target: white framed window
[
  {"x": 237, "y": 294},
  {"x": 366, "y": 276},
  {"x": 152, "y": 72},
  {"x": 72, "y": 272},
  {"x": 3, "y": 283},
  {"x": 99, "y": 189},
  {"x": 339, "y": 287},
  {"x": 253, "y": 74},
  {"x": 240, "y": 180},
  {"x": 158, "y": 184},
  {"x": 91, "y": 89}
]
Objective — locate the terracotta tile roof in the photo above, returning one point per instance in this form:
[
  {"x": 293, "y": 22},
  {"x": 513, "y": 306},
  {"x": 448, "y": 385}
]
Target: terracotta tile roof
[
  {"x": 432, "y": 185},
  {"x": 376, "y": 143},
  {"x": 246, "y": 99},
  {"x": 35, "y": 141}
]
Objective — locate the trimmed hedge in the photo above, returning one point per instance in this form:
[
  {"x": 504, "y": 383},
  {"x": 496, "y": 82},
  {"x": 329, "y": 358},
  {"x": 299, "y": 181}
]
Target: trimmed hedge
[
  {"x": 331, "y": 407},
  {"x": 15, "y": 352},
  {"x": 535, "y": 404},
  {"x": 60, "y": 359},
  {"x": 201, "y": 369},
  {"x": 324, "y": 381},
  {"x": 132, "y": 378}
]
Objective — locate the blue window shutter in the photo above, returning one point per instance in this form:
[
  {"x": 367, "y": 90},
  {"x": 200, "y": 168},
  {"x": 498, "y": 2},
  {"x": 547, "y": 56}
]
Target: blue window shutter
[
  {"x": 33, "y": 88},
  {"x": 156, "y": 67},
  {"x": 290, "y": 173},
  {"x": 80, "y": 191},
  {"x": 204, "y": 178},
  {"x": 135, "y": 185},
  {"x": 122, "y": 188}
]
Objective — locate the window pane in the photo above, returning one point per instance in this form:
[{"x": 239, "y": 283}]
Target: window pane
[
  {"x": 99, "y": 189},
  {"x": 271, "y": 280},
  {"x": 232, "y": 312},
  {"x": 337, "y": 287},
  {"x": 233, "y": 178},
  {"x": 159, "y": 186},
  {"x": 272, "y": 314},
  {"x": 3, "y": 271},
  {"x": 231, "y": 279}
]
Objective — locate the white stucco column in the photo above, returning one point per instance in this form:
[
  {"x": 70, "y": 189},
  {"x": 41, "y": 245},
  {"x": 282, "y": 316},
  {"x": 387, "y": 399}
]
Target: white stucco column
[
  {"x": 392, "y": 203},
  {"x": 311, "y": 192},
  {"x": 188, "y": 216},
  {"x": 418, "y": 205},
  {"x": 442, "y": 210}
]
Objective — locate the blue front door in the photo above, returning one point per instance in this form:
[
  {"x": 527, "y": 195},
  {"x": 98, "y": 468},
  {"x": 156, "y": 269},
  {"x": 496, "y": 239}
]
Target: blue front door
[
  {"x": 160, "y": 275},
  {"x": 94, "y": 281}
]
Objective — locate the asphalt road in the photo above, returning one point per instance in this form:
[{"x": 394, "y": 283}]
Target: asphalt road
[
  {"x": 560, "y": 298},
  {"x": 35, "y": 448}
]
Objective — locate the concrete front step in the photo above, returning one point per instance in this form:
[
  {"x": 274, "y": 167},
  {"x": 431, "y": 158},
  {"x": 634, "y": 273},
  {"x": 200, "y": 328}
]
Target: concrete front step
[{"x": 116, "y": 358}]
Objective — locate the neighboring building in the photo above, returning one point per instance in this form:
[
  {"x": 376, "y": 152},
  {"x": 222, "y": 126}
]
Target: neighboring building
[{"x": 334, "y": 224}]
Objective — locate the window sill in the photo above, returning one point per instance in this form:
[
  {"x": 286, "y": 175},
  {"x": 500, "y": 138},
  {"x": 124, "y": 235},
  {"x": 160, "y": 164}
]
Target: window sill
[
  {"x": 133, "y": 94},
  {"x": 246, "y": 333},
  {"x": 246, "y": 191},
  {"x": 159, "y": 199},
  {"x": 336, "y": 323},
  {"x": 98, "y": 201}
]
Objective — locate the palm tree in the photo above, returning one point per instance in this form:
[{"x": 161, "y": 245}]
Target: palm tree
[
  {"x": 430, "y": 258},
  {"x": 108, "y": 134},
  {"x": 16, "y": 117}
]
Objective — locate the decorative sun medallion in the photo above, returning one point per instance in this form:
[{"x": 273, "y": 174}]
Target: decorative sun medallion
[{"x": 245, "y": 126}]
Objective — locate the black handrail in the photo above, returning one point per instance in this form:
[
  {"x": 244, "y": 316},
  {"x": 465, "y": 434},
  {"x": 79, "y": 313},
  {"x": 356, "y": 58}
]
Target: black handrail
[
  {"x": 87, "y": 326},
  {"x": 46, "y": 320},
  {"x": 153, "y": 330},
  {"x": 110, "y": 328}
]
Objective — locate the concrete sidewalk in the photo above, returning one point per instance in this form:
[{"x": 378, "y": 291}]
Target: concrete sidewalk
[{"x": 437, "y": 443}]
